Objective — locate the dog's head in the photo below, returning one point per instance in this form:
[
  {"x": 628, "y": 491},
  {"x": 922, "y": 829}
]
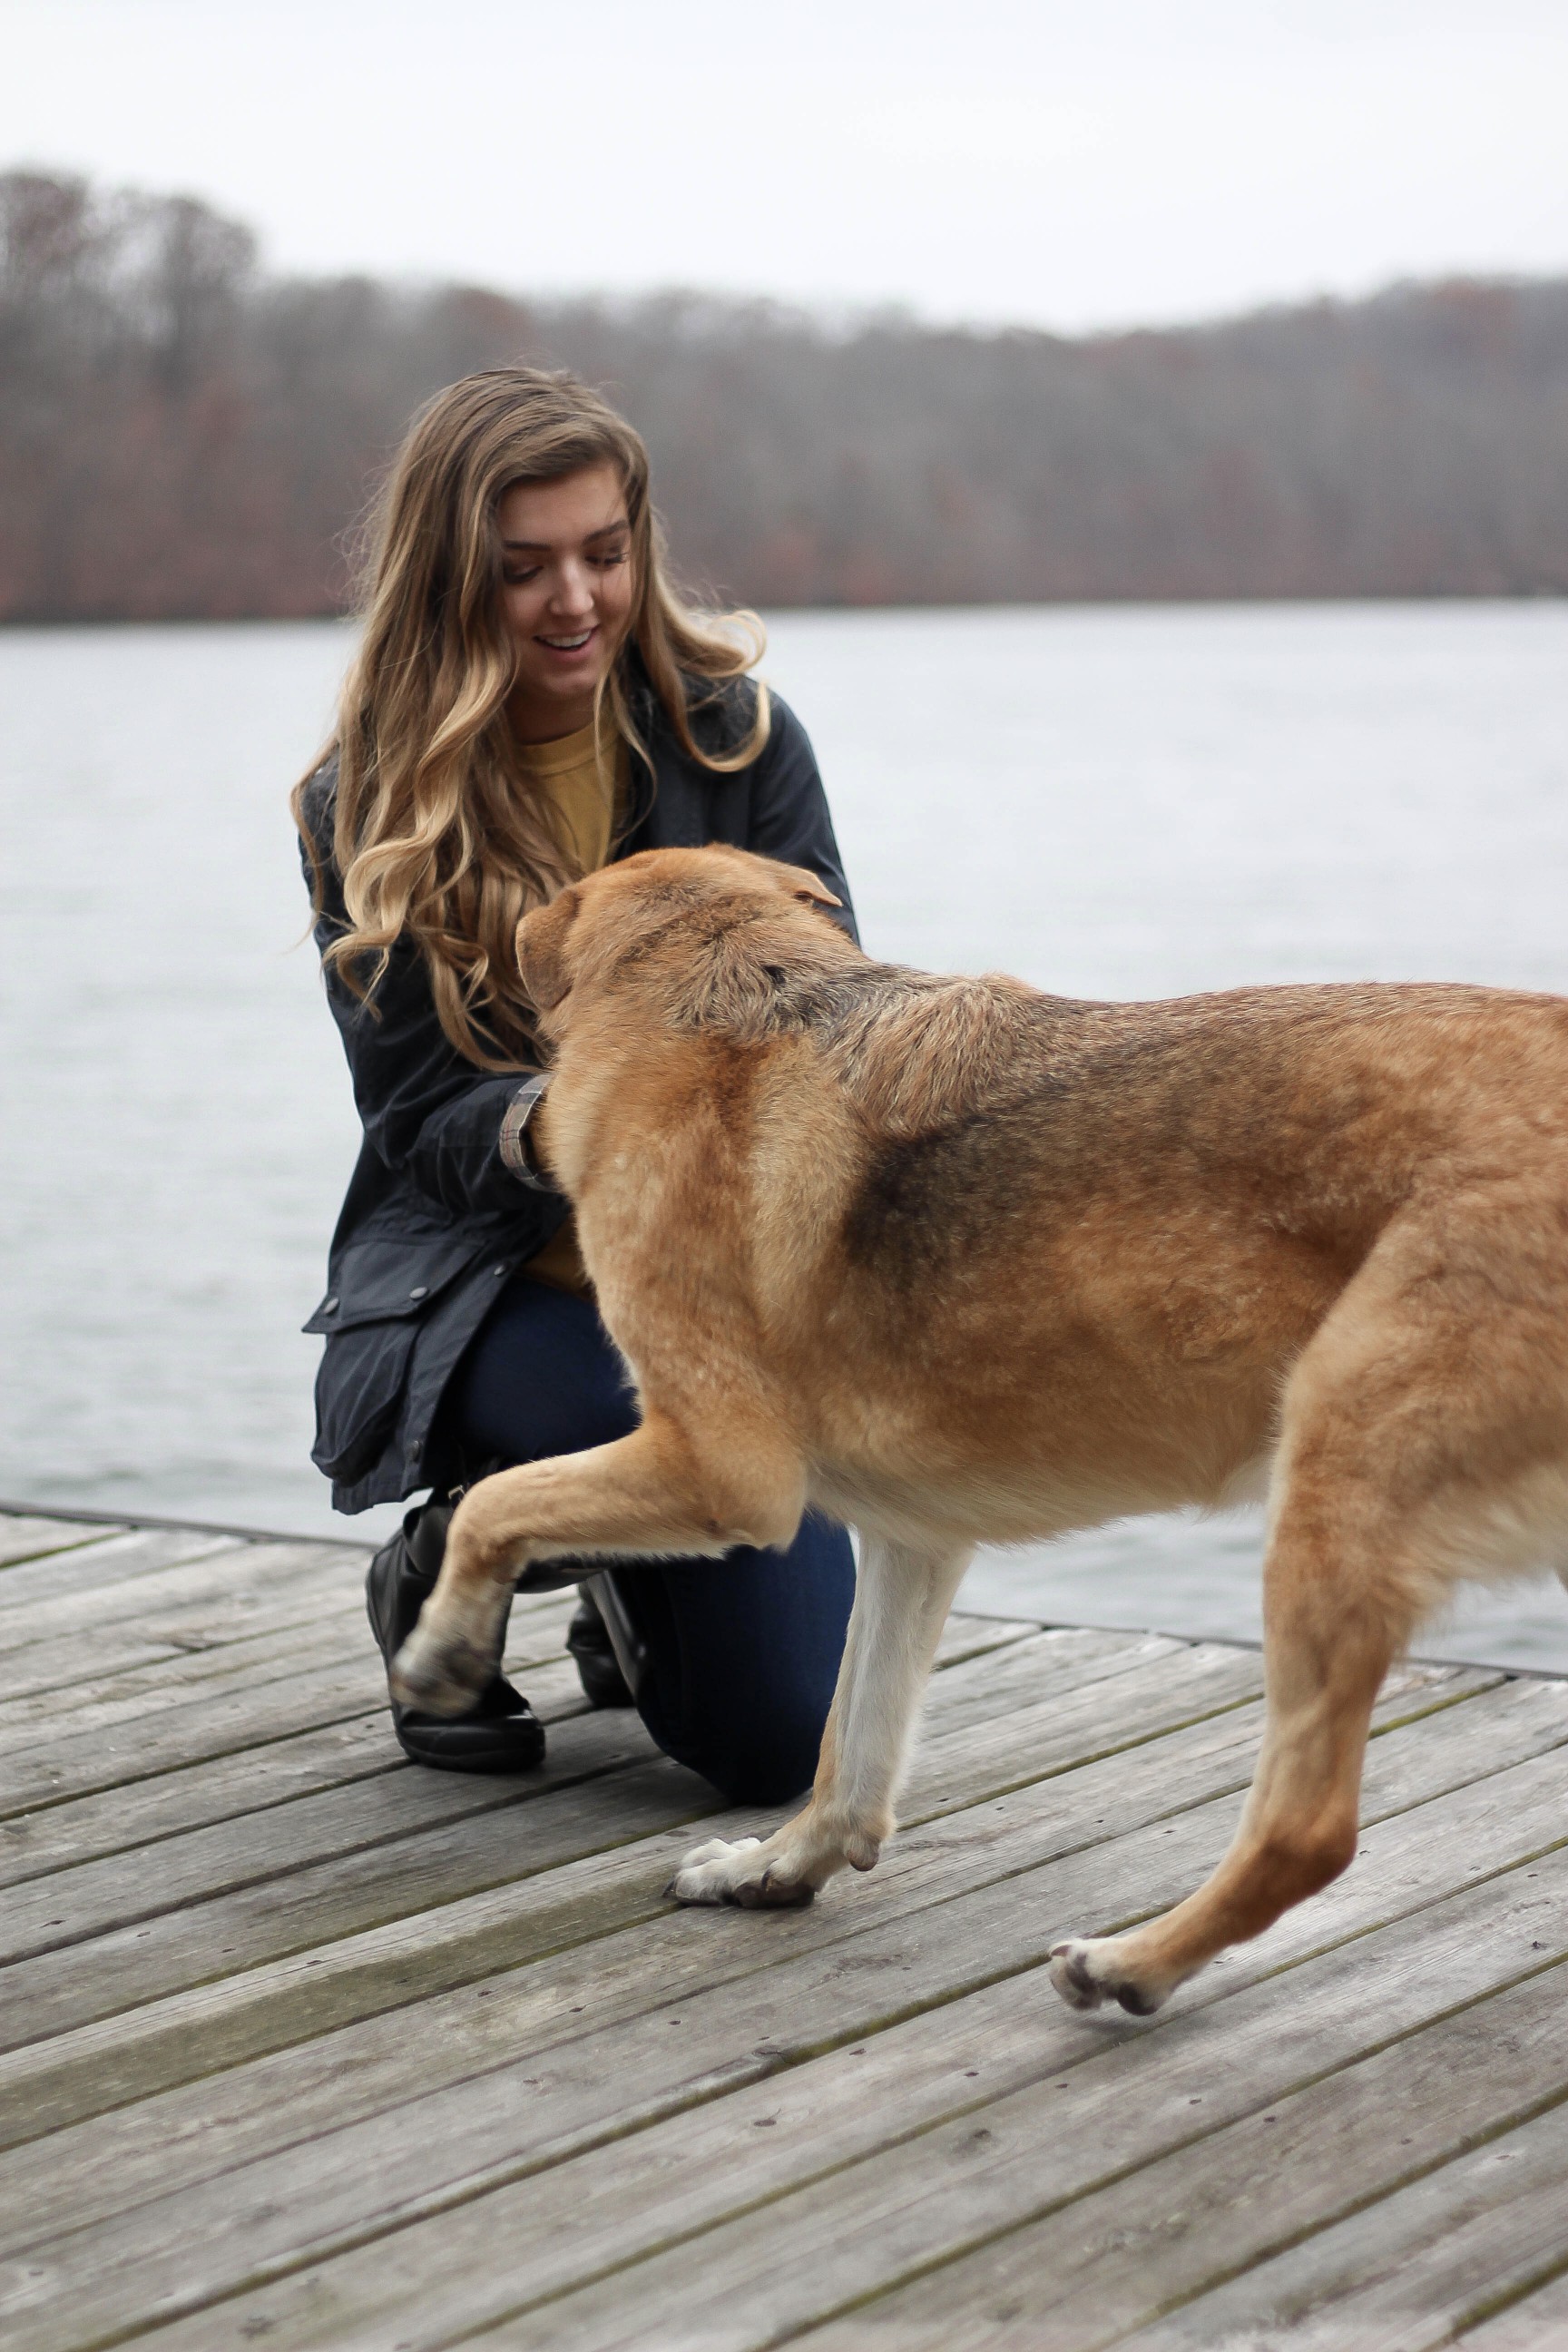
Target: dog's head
[{"x": 684, "y": 919}]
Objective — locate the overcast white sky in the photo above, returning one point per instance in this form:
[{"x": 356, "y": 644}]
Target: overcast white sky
[{"x": 1068, "y": 163}]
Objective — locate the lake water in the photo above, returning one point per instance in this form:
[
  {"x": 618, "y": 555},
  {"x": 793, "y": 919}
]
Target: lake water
[{"x": 1111, "y": 802}]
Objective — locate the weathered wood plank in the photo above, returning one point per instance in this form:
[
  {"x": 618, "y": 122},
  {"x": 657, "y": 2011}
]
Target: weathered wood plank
[
  {"x": 411, "y": 1820},
  {"x": 977, "y": 1691},
  {"x": 1099, "y": 2260},
  {"x": 92, "y": 1900},
  {"x": 1119, "y": 2097},
  {"x": 335, "y": 2051},
  {"x": 746, "y": 2003},
  {"x": 44, "y": 1656},
  {"x": 165, "y": 1677},
  {"x": 63, "y": 1834},
  {"x": 23, "y": 1536},
  {"x": 196, "y": 1730},
  {"x": 1079, "y": 1724},
  {"x": 1411, "y": 2270},
  {"x": 1061, "y": 1666},
  {"x": 295, "y": 1641},
  {"x": 194, "y": 1795},
  {"x": 72, "y": 1648},
  {"x": 965, "y": 1637},
  {"x": 236, "y": 1589},
  {"x": 235, "y": 1579},
  {"x": 62, "y": 1990},
  {"x": 1072, "y": 2280},
  {"x": 100, "y": 1567}
]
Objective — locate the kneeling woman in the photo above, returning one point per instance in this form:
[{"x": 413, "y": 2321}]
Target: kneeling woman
[{"x": 531, "y": 698}]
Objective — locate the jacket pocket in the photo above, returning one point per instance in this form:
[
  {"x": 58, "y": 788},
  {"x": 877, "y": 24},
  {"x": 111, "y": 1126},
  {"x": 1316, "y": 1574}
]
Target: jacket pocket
[
  {"x": 382, "y": 1290},
  {"x": 385, "y": 1279}
]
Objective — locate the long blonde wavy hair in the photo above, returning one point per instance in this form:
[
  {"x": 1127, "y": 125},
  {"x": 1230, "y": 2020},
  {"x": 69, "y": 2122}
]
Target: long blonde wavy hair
[{"x": 437, "y": 838}]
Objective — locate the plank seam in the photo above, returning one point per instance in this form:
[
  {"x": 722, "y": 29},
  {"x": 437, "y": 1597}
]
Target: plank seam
[{"x": 1492, "y": 2307}]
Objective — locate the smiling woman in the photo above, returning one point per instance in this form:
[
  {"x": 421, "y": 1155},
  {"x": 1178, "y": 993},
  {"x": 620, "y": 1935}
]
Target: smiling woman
[
  {"x": 567, "y": 595},
  {"x": 531, "y": 699}
]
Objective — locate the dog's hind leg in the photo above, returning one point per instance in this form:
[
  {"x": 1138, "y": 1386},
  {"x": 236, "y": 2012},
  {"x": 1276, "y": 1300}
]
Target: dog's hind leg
[
  {"x": 1337, "y": 1610},
  {"x": 1329, "y": 1641},
  {"x": 902, "y": 1595},
  {"x": 1425, "y": 1435}
]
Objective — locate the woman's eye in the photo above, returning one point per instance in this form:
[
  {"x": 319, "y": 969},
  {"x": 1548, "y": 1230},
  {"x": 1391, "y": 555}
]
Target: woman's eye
[
  {"x": 608, "y": 562},
  {"x": 521, "y": 579}
]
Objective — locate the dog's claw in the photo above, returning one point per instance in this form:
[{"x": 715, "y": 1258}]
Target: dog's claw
[{"x": 770, "y": 1894}]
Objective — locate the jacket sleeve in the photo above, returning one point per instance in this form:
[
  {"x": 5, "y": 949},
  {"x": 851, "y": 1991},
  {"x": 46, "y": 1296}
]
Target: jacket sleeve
[
  {"x": 789, "y": 818},
  {"x": 424, "y": 1109}
]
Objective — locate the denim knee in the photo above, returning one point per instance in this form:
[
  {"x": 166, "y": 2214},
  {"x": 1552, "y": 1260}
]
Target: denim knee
[{"x": 763, "y": 1763}]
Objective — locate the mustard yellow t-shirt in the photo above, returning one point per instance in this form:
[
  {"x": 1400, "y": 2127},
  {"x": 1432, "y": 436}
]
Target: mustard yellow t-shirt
[
  {"x": 581, "y": 791},
  {"x": 579, "y": 786}
]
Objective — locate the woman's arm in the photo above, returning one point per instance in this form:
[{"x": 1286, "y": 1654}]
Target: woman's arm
[
  {"x": 789, "y": 818},
  {"x": 424, "y": 1109}
]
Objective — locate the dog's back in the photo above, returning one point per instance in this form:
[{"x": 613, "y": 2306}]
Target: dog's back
[{"x": 1064, "y": 1254}]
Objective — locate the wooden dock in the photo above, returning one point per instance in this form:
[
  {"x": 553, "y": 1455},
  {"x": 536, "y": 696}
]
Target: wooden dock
[{"x": 304, "y": 2046}]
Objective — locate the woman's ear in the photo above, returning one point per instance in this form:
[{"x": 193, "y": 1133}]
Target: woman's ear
[{"x": 542, "y": 938}]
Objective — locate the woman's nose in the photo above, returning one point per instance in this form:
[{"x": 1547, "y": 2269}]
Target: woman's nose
[{"x": 574, "y": 591}]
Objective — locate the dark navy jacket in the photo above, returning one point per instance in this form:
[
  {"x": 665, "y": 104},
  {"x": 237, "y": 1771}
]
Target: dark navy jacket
[{"x": 433, "y": 1222}]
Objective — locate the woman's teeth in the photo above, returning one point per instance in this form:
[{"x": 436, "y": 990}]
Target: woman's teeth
[{"x": 567, "y": 645}]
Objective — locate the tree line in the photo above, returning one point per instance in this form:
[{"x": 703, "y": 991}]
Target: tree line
[{"x": 185, "y": 435}]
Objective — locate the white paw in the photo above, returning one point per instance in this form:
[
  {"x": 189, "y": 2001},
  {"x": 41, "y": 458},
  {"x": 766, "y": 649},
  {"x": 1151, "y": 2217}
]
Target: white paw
[
  {"x": 743, "y": 1872},
  {"x": 1088, "y": 1970}
]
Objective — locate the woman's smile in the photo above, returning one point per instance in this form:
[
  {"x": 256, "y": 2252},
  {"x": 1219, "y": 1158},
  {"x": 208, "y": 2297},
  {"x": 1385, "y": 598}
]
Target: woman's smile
[{"x": 567, "y": 592}]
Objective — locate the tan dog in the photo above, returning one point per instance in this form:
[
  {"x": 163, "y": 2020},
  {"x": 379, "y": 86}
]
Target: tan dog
[{"x": 959, "y": 1262}]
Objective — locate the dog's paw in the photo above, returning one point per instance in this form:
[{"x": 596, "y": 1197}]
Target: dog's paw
[
  {"x": 1088, "y": 1970},
  {"x": 742, "y": 1871},
  {"x": 438, "y": 1677}
]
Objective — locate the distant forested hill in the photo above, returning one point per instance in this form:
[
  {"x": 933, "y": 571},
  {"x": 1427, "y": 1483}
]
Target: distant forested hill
[{"x": 184, "y": 436}]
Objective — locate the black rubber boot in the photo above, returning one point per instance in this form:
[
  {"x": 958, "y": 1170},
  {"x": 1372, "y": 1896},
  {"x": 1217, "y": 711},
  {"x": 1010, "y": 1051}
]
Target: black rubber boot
[
  {"x": 500, "y": 1733},
  {"x": 598, "y": 1668}
]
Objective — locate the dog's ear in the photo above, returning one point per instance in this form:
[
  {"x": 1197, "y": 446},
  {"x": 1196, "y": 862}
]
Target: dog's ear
[
  {"x": 799, "y": 882},
  {"x": 541, "y": 950}
]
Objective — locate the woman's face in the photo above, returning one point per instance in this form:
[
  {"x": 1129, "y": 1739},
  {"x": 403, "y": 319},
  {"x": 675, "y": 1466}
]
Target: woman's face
[{"x": 567, "y": 595}]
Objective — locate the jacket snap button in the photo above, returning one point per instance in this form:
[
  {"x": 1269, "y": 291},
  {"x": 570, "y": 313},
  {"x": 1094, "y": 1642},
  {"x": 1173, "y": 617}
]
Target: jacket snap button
[
  {"x": 420, "y": 1290},
  {"x": 331, "y": 1308},
  {"x": 498, "y": 1270}
]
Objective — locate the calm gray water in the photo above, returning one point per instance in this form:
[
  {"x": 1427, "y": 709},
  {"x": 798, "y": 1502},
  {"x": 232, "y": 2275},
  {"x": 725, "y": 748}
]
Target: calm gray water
[{"x": 1127, "y": 802}]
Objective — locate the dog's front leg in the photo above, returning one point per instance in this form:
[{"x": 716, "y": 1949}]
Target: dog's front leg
[
  {"x": 658, "y": 1492},
  {"x": 902, "y": 1594}
]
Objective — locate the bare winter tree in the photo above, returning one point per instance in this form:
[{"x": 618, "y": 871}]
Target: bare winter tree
[{"x": 182, "y": 436}]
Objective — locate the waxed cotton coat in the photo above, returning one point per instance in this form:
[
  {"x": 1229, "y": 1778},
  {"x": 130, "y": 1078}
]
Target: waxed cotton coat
[{"x": 434, "y": 1222}]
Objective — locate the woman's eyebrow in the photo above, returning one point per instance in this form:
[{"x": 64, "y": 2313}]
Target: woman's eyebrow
[{"x": 545, "y": 546}]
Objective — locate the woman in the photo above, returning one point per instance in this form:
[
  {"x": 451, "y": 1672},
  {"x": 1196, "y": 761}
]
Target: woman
[{"x": 531, "y": 698}]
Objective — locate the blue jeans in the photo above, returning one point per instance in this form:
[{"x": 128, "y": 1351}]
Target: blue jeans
[{"x": 741, "y": 1652}]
